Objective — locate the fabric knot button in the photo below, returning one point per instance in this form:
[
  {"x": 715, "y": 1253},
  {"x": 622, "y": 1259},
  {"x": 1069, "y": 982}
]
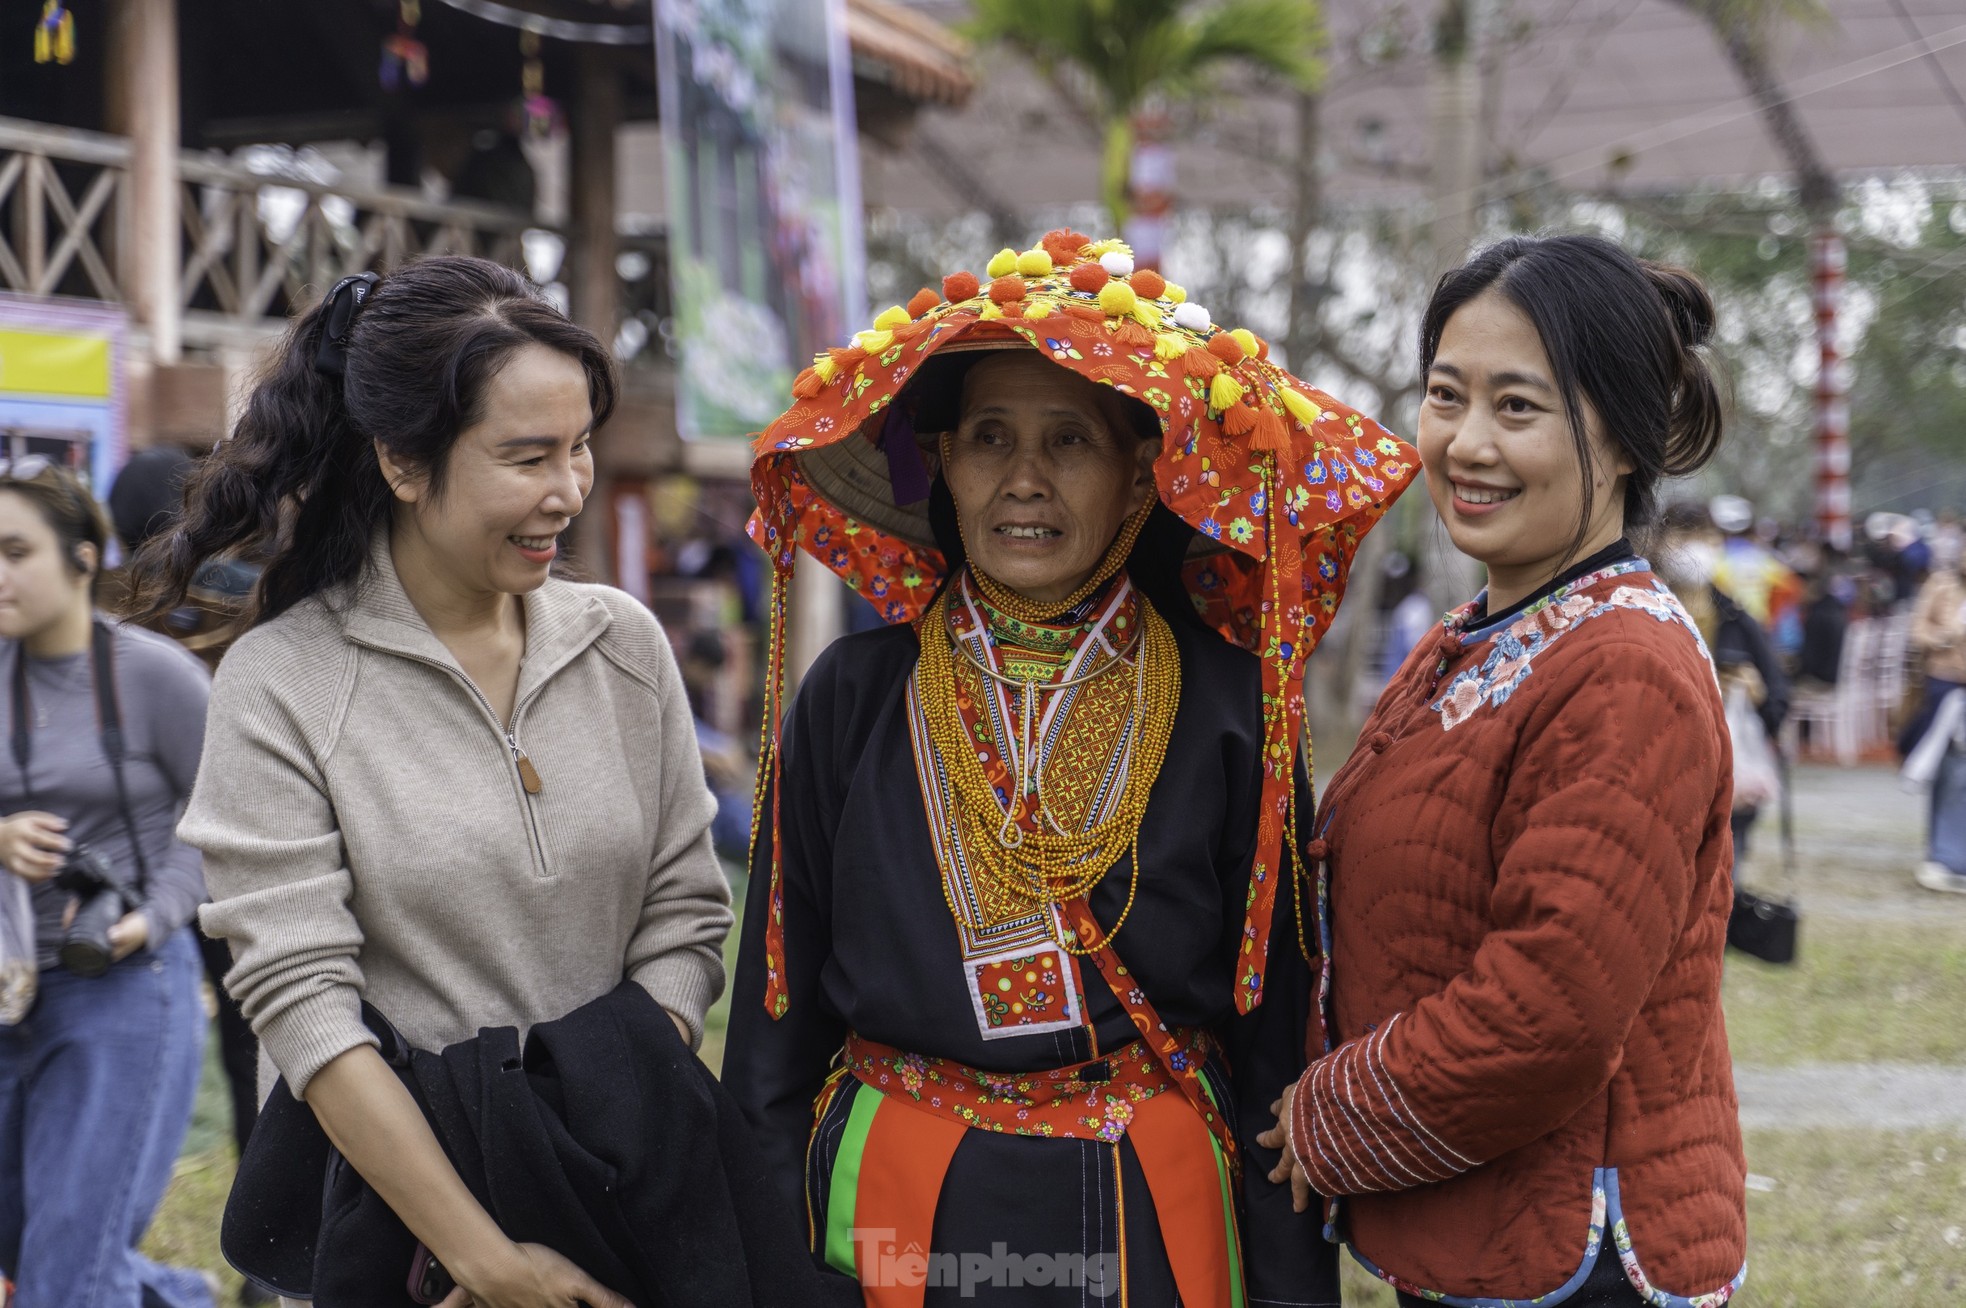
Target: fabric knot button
[
  {"x": 1379, "y": 741},
  {"x": 1317, "y": 851}
]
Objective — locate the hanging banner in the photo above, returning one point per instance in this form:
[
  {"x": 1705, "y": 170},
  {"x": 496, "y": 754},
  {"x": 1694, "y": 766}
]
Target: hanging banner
[
  {"x": 763, "y": 173},
  {"x": 61, "y": 385}
]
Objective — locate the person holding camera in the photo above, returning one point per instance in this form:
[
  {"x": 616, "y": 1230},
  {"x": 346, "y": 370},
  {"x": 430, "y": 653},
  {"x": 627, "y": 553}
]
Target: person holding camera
[{"x": 103, "y": 724}]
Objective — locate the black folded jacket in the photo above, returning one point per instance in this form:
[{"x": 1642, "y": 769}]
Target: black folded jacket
[{"x": 605, "y": 1139}]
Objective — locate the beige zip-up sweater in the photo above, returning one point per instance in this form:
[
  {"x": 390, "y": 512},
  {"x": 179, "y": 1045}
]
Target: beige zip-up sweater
[{"x": 367, "y": 832}]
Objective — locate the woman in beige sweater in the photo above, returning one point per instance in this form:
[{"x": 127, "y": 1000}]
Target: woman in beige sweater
[{"x": 436, "y": 777}]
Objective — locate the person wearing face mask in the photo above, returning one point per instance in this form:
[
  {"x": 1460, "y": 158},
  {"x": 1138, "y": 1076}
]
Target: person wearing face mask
[
  {"x": 1689, "y": 553},
  {"x": 1524, "y": 1092},
  {"x": 1022, "y": 959},
  {"x": 437, "y": 777},
  {"x": 97, "y": 1076}
]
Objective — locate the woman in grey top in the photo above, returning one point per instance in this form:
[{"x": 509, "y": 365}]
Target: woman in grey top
[
  {"x": 96, "y": 1081},
  {"x": 437, "y": 777}
]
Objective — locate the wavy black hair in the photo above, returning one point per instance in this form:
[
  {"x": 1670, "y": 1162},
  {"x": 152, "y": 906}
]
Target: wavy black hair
[{"x": 299, "y": 481}]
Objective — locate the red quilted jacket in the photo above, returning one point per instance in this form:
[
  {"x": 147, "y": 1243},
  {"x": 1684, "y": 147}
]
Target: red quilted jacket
[{"x": 1524, "y": 898}]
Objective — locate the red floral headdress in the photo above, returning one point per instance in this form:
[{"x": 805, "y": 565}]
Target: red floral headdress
[{"x": 1283, "y": 479}]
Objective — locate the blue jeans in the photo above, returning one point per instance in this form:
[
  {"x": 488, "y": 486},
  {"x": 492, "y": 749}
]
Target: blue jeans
[{"x": 96, "y": 1088}]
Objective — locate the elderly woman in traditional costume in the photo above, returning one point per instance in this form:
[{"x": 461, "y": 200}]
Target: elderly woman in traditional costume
[{"x": 1009, "y": 1014}]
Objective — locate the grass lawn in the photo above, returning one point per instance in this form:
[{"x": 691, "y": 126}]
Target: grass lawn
[{"x": 1860, "y": 991}]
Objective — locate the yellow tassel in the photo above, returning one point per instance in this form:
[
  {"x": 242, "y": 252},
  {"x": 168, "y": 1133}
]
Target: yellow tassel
[
  {"x": 827, "y": 369},
  {"x": 892, "y": 318},
  {"x": 1223, "y": 392},
  {"x": 1170, "y": 345},
  {"x": 1108, "y": 246},
  {"x": 989, "y": 313},
  {"x": 1117, "y": 299},
  {"x": 1034, "y": 263},
  {"x": 1002, "y": 263},
  {"x": 1148, "y": 315},
  {"x": 874, "y": 342},
  {"x": 1037, "y": 308},
  {"x": 1300, "y": 405},
  {"x": 1247, "y": 339},
  {"x": 1175, "y": 294}
]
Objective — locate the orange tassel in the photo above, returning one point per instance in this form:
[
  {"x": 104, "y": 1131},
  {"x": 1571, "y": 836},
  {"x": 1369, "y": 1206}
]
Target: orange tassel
[
  {"x": 1200, "y": 364},
  {"x": 1089, "y": 312},
  {"x": 1089, "y": 277},
  {"x": 957, "y": 287},
  {"x": 807, "y": 385},
  {"x": 1239, "y": 420},
  {"x": 1130, "y": 332},
  {"x": 1007, "y": 288},
  {"x": 1226, "y": 348},
  {"x": 924, "y": 300},
  {"x": 1063, "y": 245},
  {"x": 1271, "y": 432},
  {"x": 846, "y": 356},
  {"x": 1149, "y": 285}
]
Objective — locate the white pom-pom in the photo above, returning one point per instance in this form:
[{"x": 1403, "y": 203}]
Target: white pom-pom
[
  {"x": 1117, "y": 264},
  {"x": 1192, "y": 316}
]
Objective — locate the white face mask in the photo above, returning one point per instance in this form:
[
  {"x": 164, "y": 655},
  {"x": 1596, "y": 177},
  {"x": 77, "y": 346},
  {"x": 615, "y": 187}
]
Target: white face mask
[{"x": 1694, "y": 563}]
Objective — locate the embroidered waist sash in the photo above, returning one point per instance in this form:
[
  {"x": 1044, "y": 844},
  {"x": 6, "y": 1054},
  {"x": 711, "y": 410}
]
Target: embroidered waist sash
[{"x": 910, "y": 1113}]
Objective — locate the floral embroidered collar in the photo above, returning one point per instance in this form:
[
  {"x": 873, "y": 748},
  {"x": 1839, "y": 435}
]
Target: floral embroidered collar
[{"x": 1470, "y": 625}]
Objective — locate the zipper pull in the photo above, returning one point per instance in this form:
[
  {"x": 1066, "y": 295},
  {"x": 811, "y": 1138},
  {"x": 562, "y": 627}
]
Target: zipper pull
[{"x": 528, "y": 774}]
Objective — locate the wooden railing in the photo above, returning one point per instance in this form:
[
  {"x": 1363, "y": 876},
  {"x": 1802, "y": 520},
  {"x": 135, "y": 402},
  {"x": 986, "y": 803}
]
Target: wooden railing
[{"x": 253, "y": 247}]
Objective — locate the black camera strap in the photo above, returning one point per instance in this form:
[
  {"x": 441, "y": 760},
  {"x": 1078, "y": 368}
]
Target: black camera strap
[{"x": 109, "y": 718}]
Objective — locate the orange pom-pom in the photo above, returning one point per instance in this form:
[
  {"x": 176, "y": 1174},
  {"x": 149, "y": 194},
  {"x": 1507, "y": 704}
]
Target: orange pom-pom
[
  {"x": 1089, "y": 312},
  {"x": 1200, "y": 364},
  {"x": 957, "y": 287},
  {"x": 1007, "y": 288},
  {"x": 807, "y": 385},
  {"x": 924, "y": 300},
  {"x": 1239, "y": 420},
  {"x": 1130, "y": 332},
  {"x": 1149, "y": 284},
  {"x": 1089, "y": 277},
  {"x": 1063, "y": 245},
  {"x": 1226, "y": 348},
  {"x": 1271, "y": 432}
]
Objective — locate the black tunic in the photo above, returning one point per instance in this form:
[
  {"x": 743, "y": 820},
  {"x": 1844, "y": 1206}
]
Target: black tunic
[{"x": 870, "y": 946}]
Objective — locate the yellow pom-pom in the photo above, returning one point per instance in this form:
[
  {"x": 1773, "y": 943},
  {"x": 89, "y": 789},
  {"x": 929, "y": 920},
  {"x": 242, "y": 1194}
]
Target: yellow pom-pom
[
  {"x": 1175, "y": 294},
  {"x": 892, "y": 318},
  {"x": 1117, "y": 299},
  {"x": 989, "y": 313},
  {"x": 1147, "y": 314},
  {"x": 1301, "y": 407},
  {"x": 1247, "y": 339},
  {"x": 1169, "y": 345},
  {"x": 823, "y": 365},
  {"x": 1223, "y": 392},
  {"x": 874, "y": 342},
  {"x": 1034, "y": 263},
  {"x": 1002, "y": 263}
]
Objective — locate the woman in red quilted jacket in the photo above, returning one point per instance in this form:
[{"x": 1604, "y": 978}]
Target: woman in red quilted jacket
[{"x": 1525, "y": 1092}]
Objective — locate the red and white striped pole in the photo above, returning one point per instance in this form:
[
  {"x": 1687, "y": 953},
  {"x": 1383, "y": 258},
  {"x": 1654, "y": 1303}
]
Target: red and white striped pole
[{"x": 1827, "y": 263}]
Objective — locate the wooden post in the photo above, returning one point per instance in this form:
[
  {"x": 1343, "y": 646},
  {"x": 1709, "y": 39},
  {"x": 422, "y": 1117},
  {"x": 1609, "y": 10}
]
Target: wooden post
[
  {"x": 142, "y": 95},
  {"x": 596, "y": 118}
]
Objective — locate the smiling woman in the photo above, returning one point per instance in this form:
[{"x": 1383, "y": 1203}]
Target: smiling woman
[
  {"x": 1528, "y": 858},
  {"x": 437, "y": 778}
]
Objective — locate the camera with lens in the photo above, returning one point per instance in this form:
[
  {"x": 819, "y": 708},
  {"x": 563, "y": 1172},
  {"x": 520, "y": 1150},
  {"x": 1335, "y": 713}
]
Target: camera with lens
[{"x": 103, "y": 896}]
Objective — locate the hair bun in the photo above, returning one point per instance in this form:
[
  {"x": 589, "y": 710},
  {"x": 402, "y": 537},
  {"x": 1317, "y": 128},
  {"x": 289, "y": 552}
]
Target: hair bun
[{"x": 1686, "y": 300}]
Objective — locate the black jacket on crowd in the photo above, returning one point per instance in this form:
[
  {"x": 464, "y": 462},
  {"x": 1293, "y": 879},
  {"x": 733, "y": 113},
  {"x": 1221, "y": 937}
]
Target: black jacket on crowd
[{"x": 604, "y": 1139}]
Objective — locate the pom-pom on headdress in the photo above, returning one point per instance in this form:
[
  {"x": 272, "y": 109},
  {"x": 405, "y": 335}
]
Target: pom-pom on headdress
[{"x": 1280, "y": 481}]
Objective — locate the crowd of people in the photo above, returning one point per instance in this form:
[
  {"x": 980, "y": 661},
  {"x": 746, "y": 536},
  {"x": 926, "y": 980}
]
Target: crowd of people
[{"x": 1056, "y": 975}]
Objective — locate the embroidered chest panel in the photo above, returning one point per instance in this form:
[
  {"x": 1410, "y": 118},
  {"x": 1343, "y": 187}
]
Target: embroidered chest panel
[{"x": 1514, "y": 648}]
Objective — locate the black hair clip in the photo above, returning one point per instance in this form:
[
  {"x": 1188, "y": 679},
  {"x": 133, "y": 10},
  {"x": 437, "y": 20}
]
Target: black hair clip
[{"x": 339, "y": 310}]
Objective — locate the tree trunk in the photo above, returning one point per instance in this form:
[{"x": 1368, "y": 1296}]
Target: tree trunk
[
  {"x": 1456, "y": 181},
  {"x": 1306, "y": 206},
  {"x": 1116, "y": 167}
]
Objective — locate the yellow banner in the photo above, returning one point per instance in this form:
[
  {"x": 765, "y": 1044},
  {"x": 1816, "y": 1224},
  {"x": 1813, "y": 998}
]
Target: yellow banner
[{"x": 54, "y": 363}]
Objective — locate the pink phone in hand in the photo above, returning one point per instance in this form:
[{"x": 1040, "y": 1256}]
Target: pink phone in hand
[{"x": 429, "y": 1282}]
